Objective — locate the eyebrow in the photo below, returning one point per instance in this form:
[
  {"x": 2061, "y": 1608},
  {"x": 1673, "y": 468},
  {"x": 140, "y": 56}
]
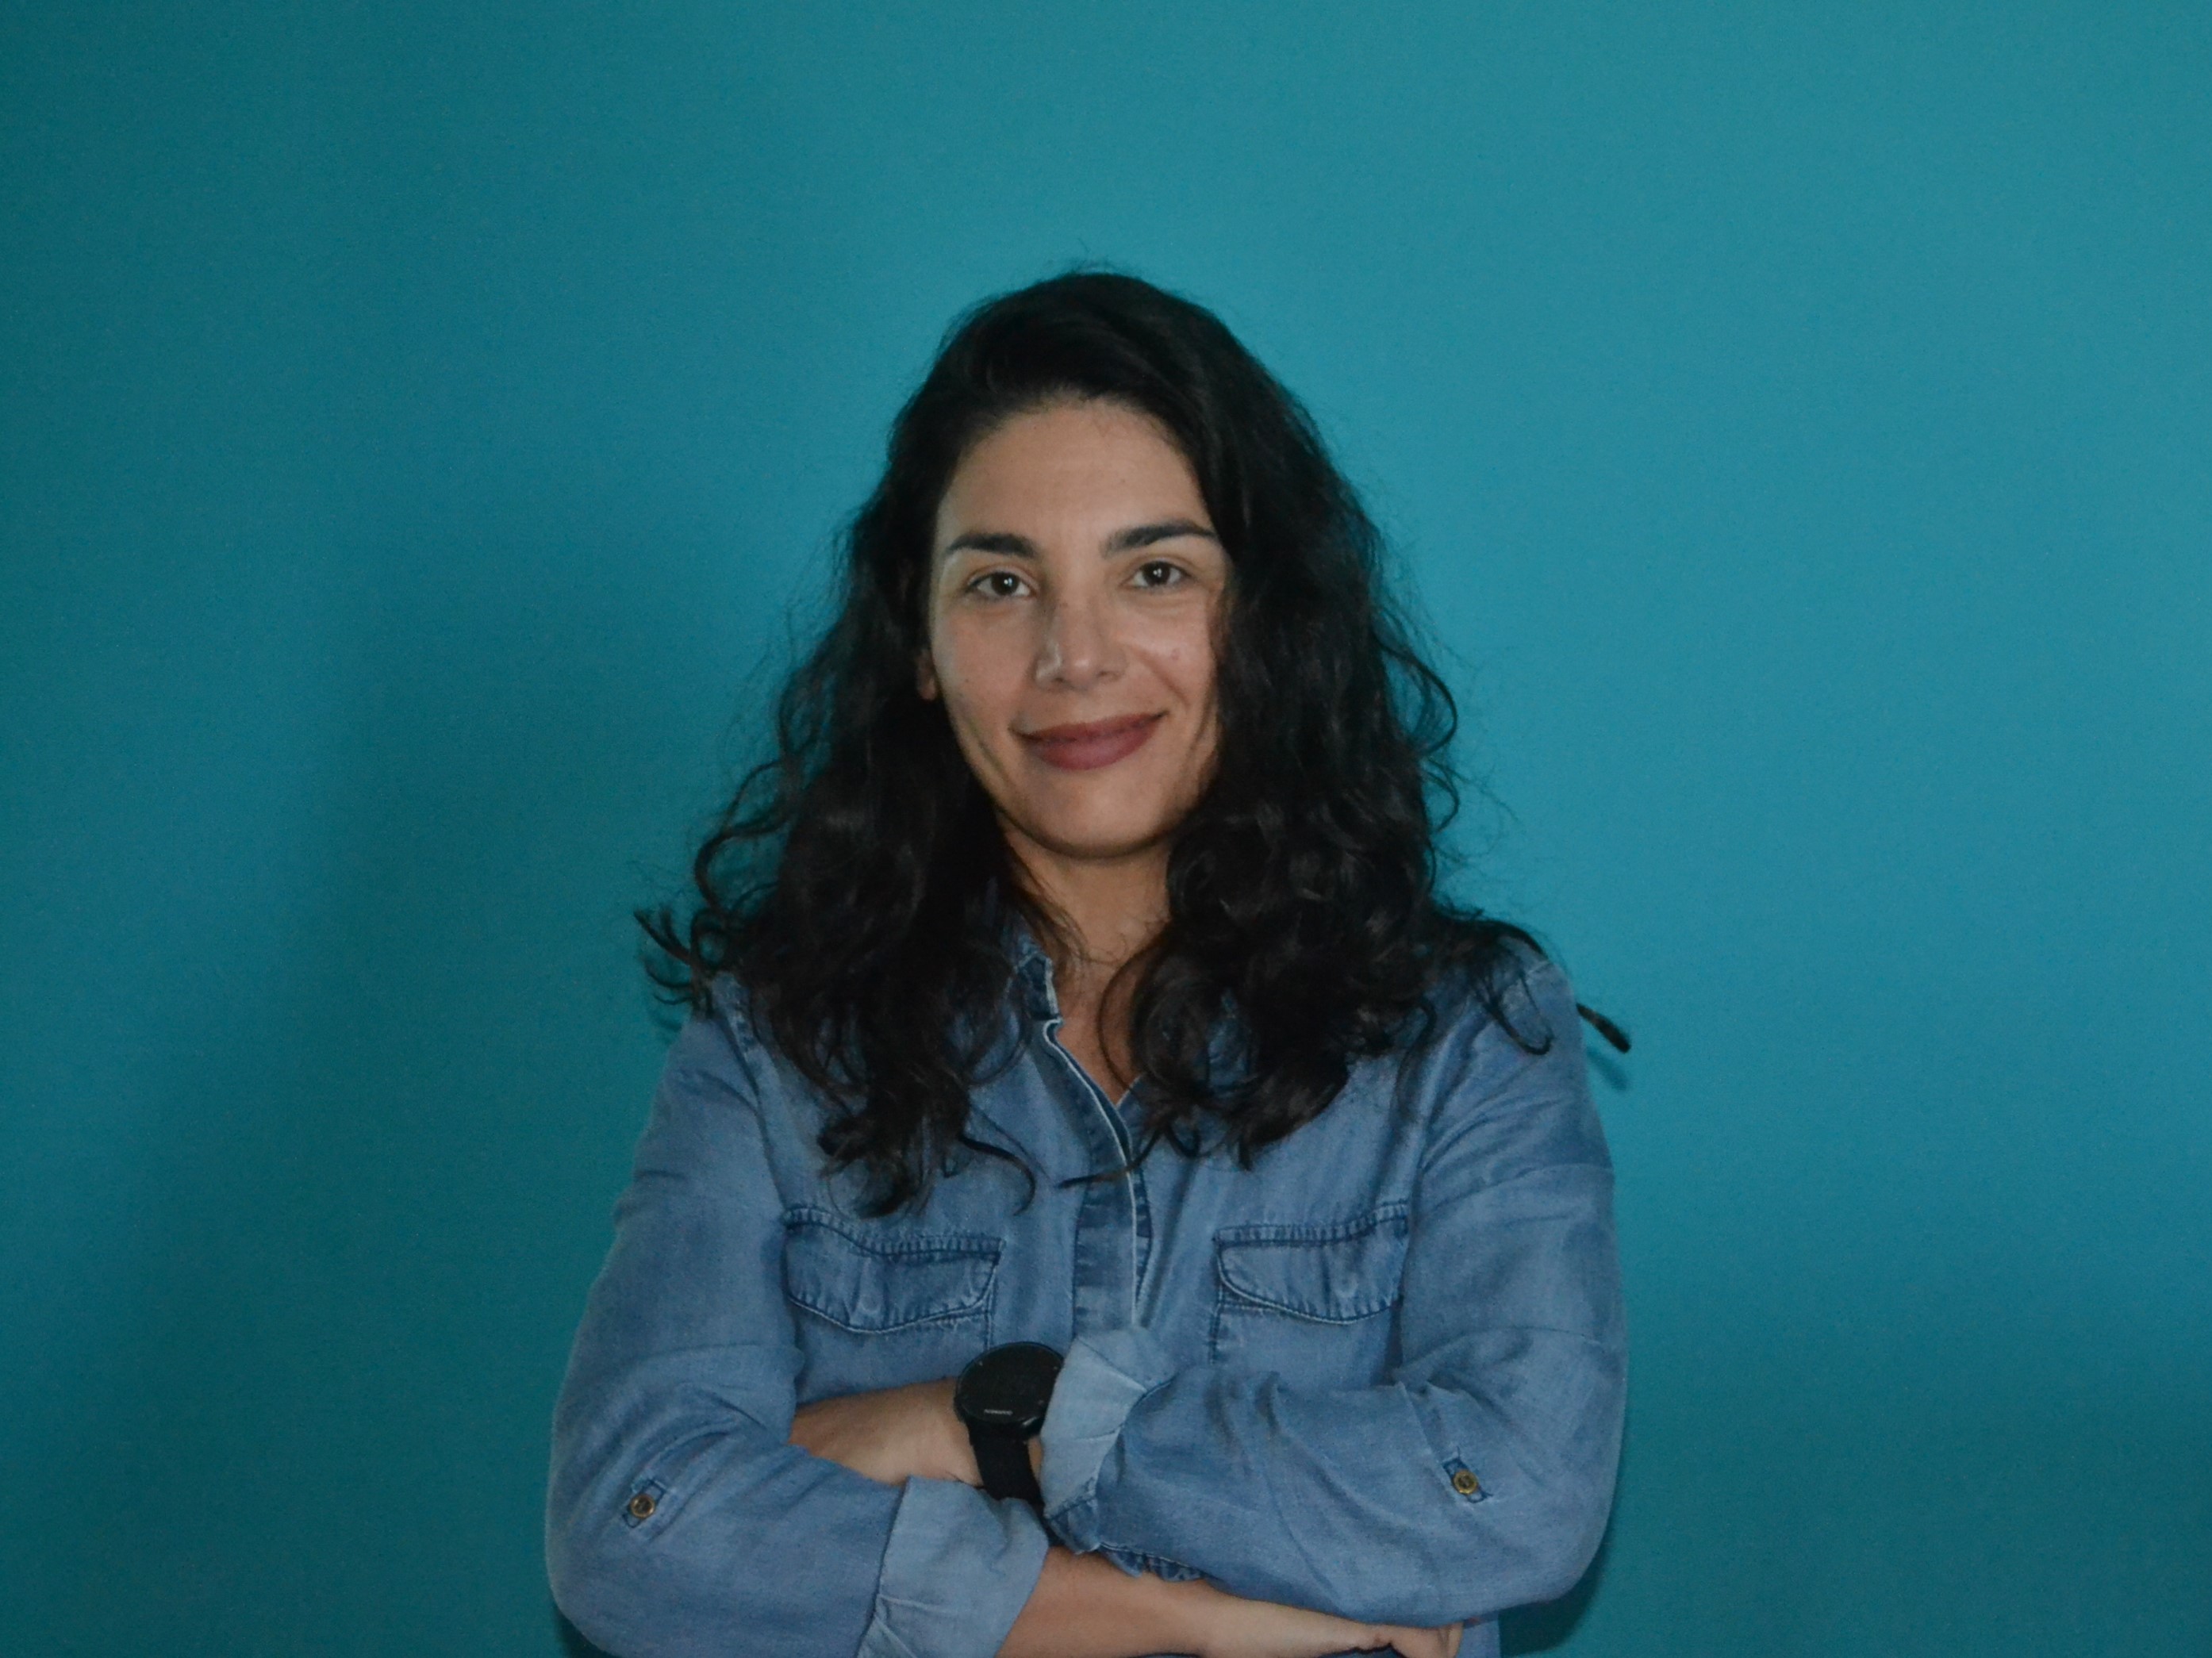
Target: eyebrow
[{"x": 1001, "y": 544}]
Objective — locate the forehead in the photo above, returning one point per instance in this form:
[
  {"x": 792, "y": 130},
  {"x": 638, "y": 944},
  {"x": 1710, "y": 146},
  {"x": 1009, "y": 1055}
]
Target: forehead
[{"x": 1069, "y": 464}]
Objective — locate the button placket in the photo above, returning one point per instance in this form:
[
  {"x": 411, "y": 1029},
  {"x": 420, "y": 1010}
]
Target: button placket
[
  {"x": 1113, "y": 1225},
  {"x": 1113, "y": 1221}
]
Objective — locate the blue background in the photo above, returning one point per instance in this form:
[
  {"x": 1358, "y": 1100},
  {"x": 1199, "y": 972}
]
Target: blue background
[{"x": 423, "y": 427}]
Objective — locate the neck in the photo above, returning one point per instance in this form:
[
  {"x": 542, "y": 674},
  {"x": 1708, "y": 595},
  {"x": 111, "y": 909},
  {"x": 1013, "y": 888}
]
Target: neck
[{"x": 1113, "y": 906}]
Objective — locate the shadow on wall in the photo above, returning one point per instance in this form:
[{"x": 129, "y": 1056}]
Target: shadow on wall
[
  {"x": 1548, "y": 1626},
  {"x": 1607, "y": 1069},
  {"x": 572, "y": 1643}
]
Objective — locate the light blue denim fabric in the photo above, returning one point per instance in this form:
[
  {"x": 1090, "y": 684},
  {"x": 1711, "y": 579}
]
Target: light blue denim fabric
[{"x": 1380, "y": 1373}]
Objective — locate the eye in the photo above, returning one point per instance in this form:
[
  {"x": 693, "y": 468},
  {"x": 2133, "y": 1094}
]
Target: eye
[
  {"x": 997, "y": 584},
  {"x": 1158, "y": 573}
]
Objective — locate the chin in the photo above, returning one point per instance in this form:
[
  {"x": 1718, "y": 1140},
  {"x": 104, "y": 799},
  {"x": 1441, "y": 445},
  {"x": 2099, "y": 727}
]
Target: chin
[{"x": 1100, "y": 836}]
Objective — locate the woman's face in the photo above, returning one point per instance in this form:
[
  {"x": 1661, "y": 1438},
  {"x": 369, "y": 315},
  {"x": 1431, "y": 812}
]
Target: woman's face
[{"x": 1075, "y": 585}]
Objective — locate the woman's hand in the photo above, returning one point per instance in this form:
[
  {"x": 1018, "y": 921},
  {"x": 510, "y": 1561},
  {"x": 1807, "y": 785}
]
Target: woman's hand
[
  {"x": 1085, "y": 1607},
  {"x": 1233, "y": 1627},
  {"x": 891, "y": 1434}
]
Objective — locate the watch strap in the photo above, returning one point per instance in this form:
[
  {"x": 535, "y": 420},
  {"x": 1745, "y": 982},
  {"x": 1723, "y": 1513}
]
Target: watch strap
[{"x": 1003, "y": 1459}]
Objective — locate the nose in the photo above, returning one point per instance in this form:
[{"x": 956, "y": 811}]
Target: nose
[{"x": 1080, "y": 646}]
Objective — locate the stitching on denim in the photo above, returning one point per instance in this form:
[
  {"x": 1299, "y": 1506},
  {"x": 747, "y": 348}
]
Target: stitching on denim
[
  {"x": 958, "y": 1315},
  {"x": 1053, "y": 1518},
  {"x": 1183, "y": 1570},
  {"x": 945, "y": 1244},
  {"x": 1317, "y": 1231},
  {"x": 923, "y": 1250},
  {"x": 1231, "y": 1297}
]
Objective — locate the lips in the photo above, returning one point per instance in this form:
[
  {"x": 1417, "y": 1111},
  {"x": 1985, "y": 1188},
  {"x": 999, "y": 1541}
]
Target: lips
[{"x": 1087, "y": 747}]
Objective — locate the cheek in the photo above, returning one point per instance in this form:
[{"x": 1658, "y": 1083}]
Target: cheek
[
  {"x": 1185, "y": 661},
  {"x": 979, "y": 678}
]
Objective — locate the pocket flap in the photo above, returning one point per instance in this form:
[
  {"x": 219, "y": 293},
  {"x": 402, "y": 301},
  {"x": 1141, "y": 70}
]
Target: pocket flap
[
  {"x": 1336, "y": 1272},
  {"x": 884, "y": 1283}
]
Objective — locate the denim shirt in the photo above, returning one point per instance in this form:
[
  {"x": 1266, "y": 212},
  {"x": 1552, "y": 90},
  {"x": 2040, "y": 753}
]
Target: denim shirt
[{"x": 1380, "y": 1373}]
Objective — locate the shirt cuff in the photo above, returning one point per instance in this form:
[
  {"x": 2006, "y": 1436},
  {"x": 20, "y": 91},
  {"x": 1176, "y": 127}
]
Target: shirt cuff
[
  {"x": 956, "y": 1572},
  {"x": 1100, "y": 1381}
]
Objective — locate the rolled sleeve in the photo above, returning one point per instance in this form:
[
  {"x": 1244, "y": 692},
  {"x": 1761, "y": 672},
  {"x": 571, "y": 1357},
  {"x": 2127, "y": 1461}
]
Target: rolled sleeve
[
  {"x": 1102, "y": 1379},
  {"x": 956, "y": 1572}
]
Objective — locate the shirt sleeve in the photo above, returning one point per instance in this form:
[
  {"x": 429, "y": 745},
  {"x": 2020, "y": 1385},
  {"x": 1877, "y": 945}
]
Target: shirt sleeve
[
  {"x": 1478, "y": 1474},
  {"x": 680, "y": 1521}
]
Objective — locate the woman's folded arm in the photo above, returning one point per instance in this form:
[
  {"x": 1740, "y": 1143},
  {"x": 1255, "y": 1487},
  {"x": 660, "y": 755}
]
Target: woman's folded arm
[{"x": 679, "y": 1519}]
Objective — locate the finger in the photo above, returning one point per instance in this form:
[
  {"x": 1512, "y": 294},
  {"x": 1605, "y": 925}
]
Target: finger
[
  {"x": 1407, "y": 1642},
  {"x": 1410, "y": 1642}
]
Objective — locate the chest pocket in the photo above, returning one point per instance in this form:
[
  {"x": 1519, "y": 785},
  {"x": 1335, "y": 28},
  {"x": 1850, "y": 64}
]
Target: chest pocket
[
  {"x": 1311, "y": 1301},
  {"x": 882, "y": 1308}
]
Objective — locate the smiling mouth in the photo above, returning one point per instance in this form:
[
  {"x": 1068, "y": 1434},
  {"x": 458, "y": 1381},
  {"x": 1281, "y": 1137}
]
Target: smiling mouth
[{"x": 1086, "y": 748}]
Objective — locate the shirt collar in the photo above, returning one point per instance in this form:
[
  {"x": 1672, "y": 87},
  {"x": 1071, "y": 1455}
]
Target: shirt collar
[
  {"x": 1032, "y": 969},
  {"x": 1040, "y": 1000}
]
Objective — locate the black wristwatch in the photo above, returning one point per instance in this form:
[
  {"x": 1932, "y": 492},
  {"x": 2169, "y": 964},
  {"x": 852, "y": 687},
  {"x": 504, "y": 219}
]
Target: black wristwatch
[{"x": 1002, "y": 1396}]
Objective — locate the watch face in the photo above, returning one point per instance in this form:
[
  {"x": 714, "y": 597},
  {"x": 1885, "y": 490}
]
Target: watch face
[{"x": 1008, "y": 1387}]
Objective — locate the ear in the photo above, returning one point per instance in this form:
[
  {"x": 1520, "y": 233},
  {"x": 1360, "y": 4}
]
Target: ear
[{"x": 924, "y": 676}]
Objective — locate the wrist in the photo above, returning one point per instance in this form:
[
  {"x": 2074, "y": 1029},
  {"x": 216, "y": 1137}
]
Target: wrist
[
  {"x": 1001, "y": 1399},
  {"x": 954, "y": 1455}
]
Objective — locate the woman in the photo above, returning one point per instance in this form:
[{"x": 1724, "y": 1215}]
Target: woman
[{"x": 1075, "y": 983}]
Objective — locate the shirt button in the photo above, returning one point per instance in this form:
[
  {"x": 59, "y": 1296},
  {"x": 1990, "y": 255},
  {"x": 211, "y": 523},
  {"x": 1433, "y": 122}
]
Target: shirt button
[
  {"x": 1463, "y": 1482},
  {"x": 642, "y": 1505}
]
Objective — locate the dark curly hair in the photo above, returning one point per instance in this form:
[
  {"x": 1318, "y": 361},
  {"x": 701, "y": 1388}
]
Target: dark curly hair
[{"x": 860, "y": 889}]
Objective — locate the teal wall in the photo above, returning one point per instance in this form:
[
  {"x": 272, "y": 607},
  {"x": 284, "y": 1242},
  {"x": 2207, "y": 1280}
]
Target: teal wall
[{"x": 419, "y": 425}]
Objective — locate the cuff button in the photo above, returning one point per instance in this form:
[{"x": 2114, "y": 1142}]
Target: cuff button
[
  {"x": 642, "y": 1505},
  {"x": 1463, "y": 1482}
]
